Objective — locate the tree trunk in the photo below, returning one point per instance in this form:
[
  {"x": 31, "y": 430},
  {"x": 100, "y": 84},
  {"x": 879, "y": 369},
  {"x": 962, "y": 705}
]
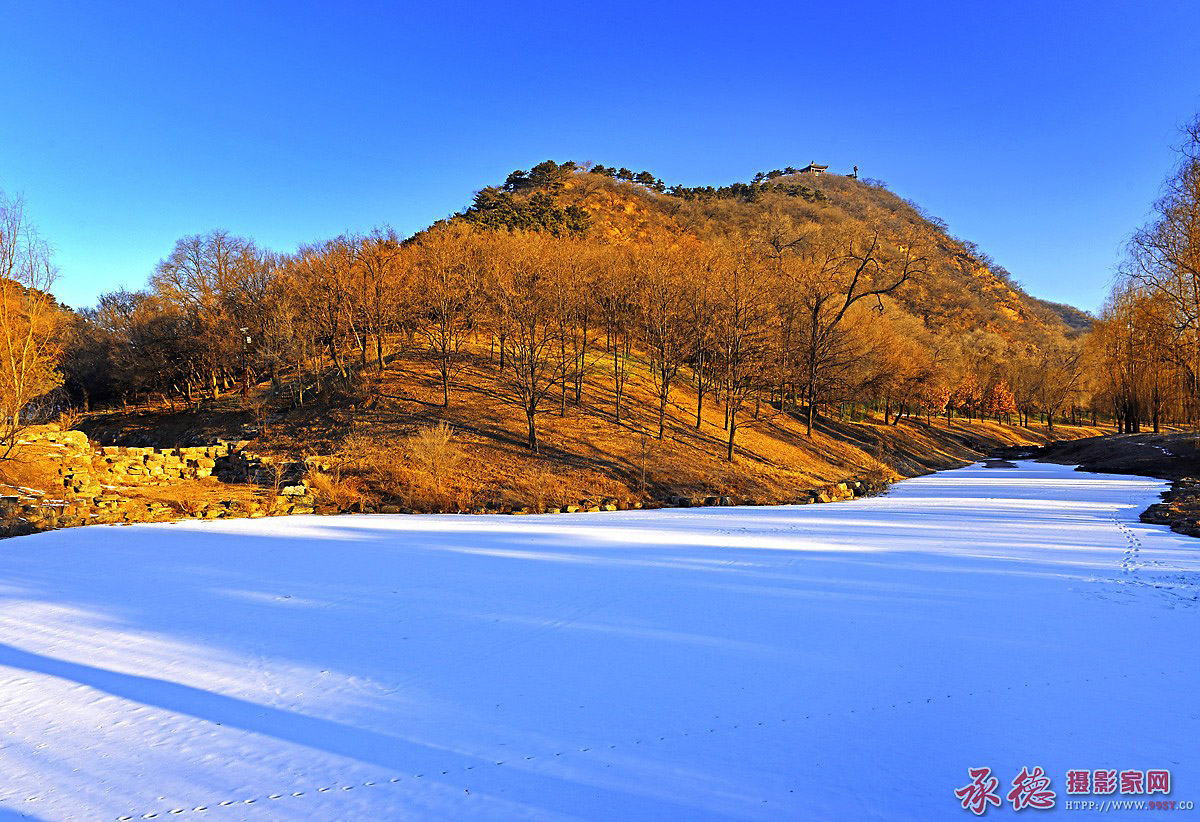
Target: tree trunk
[
  {"x": 812, "y": 397},
  {"x": 618, "y": 380},
  {"x": 562, "y": 359},
  {"x": 533, "y": 440},
  {"x": 583, "y": 341}
]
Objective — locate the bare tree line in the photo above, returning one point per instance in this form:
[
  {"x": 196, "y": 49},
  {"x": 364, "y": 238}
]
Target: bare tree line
[
  {"x": 1145, "y": 349},
  {"x": 793, "y": 317}
]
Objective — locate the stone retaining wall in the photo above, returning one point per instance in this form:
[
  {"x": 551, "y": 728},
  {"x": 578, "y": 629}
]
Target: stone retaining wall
[
  {"x": 106, "y": 485},
  {"x": 95, "y": 484}
]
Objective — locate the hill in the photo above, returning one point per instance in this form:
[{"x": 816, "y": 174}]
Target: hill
[
  {"x": 962, "y": 289},
  {"x": 1077, "y": 320},
  {"x": 579, "y": 334}
]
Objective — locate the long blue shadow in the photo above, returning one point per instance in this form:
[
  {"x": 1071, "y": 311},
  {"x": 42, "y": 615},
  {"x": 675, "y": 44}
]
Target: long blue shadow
[{"x": 389, "y": 752}]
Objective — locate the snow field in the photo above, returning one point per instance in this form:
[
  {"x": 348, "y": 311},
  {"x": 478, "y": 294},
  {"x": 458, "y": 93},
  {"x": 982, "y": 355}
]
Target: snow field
[{"x": 839, "y": 661}]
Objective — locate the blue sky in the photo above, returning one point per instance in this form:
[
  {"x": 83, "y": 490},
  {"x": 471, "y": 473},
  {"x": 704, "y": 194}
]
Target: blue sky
[{"x": 1041, "y": 131}]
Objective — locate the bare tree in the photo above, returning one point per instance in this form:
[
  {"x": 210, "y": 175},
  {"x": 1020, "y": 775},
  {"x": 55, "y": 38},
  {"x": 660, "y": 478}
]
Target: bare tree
[
  {"x": 30, "y": 321},
  {"x": 742, "y": 331},
  {"x": 1164, "y": 256},
  {"x": 663, "y": 316},
  {"x": 520, "y": 293},
  {"x": 207, "y": 276},
  {"x": 1059, "y": 381},
  {"x": 614, "y": 296},
  {"x": 447, "y": 292},
  {"x": 830, "y": 274},
  {"x": 380, "y": 260},
  {"x": 701, "y": 314}
]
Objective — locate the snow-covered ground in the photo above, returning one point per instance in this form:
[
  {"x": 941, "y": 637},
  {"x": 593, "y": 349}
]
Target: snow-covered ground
[{"x": 840, "y": 661}]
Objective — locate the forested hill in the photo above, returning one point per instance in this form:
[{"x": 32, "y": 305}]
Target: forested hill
[
  {"x": 579, "y": 327},
  {"x": 961, "y": 290}
]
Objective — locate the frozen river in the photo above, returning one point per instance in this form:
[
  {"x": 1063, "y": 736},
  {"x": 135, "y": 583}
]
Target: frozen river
[{"x": 839, "y": 661}]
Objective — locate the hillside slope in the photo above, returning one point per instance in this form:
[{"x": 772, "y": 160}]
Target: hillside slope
[
  {"x": 963, "y": 289},
  {"x": 585, "y": 456}
]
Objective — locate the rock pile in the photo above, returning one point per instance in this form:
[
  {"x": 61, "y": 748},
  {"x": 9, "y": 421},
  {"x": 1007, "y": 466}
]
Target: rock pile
[
  {"x": 1179, "y": 509},
  {"x": 106, "y": 484},
  {"x": 848, "y": 489}
]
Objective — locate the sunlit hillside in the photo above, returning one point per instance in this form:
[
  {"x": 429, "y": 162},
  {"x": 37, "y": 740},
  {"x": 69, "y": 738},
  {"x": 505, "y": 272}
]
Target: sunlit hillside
[{"x": 583, "y": 333}]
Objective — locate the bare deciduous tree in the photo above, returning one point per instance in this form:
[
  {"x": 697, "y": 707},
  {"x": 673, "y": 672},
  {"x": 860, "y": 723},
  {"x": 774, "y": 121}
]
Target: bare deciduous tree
[
  {"x": 448, "y": 287},
  {"x": 521, "y": 292},
  {"x": 830, "y": 274},
  {"x": 30, "y": 320}
]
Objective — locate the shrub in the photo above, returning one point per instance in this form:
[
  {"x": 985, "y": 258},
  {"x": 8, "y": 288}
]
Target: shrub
[
  {"x": 434, "y": 450},
  {"x": 69, "y": 417},
  {"x": 539, "y": 489},
  {"x": 340, "y": 492},
  {"x": 189, "y": 504}
]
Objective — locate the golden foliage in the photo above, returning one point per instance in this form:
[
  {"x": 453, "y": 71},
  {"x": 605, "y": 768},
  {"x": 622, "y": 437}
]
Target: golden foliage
[{"x": 30, "y": 320}]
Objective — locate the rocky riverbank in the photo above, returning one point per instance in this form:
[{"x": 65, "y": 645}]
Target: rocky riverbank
[
  {"x": 83, "y": 483},
  {"x": 1173, "y": 456}
]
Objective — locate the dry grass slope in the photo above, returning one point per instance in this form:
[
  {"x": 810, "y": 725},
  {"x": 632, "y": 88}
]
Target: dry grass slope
[{"x": 393, "y": 443}]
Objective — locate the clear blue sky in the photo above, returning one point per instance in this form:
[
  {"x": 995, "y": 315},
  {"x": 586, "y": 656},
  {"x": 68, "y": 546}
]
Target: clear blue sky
[{"x": 1039, "y": 130}]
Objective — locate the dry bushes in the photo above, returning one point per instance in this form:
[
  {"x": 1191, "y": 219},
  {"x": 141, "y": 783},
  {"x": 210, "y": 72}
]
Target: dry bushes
[
  {"x": 437, "y": 459},
  {"x": 363, "y": 454},
  {"x": 189, "y": 505},
  {"x": 878, "y": 475},
  {"x": 433, "y": 449},
  {"x": 344, "y": 480},
  {"x": 537, "y": 489},
  {"x": 69, "y": 417},
  {"x": 342, "y": 492},
  {"x": 417, "y": 471}
]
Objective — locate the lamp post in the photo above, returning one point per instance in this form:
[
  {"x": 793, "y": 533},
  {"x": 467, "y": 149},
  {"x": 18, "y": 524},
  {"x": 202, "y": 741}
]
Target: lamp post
[{"x": 245, "y": 363}]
